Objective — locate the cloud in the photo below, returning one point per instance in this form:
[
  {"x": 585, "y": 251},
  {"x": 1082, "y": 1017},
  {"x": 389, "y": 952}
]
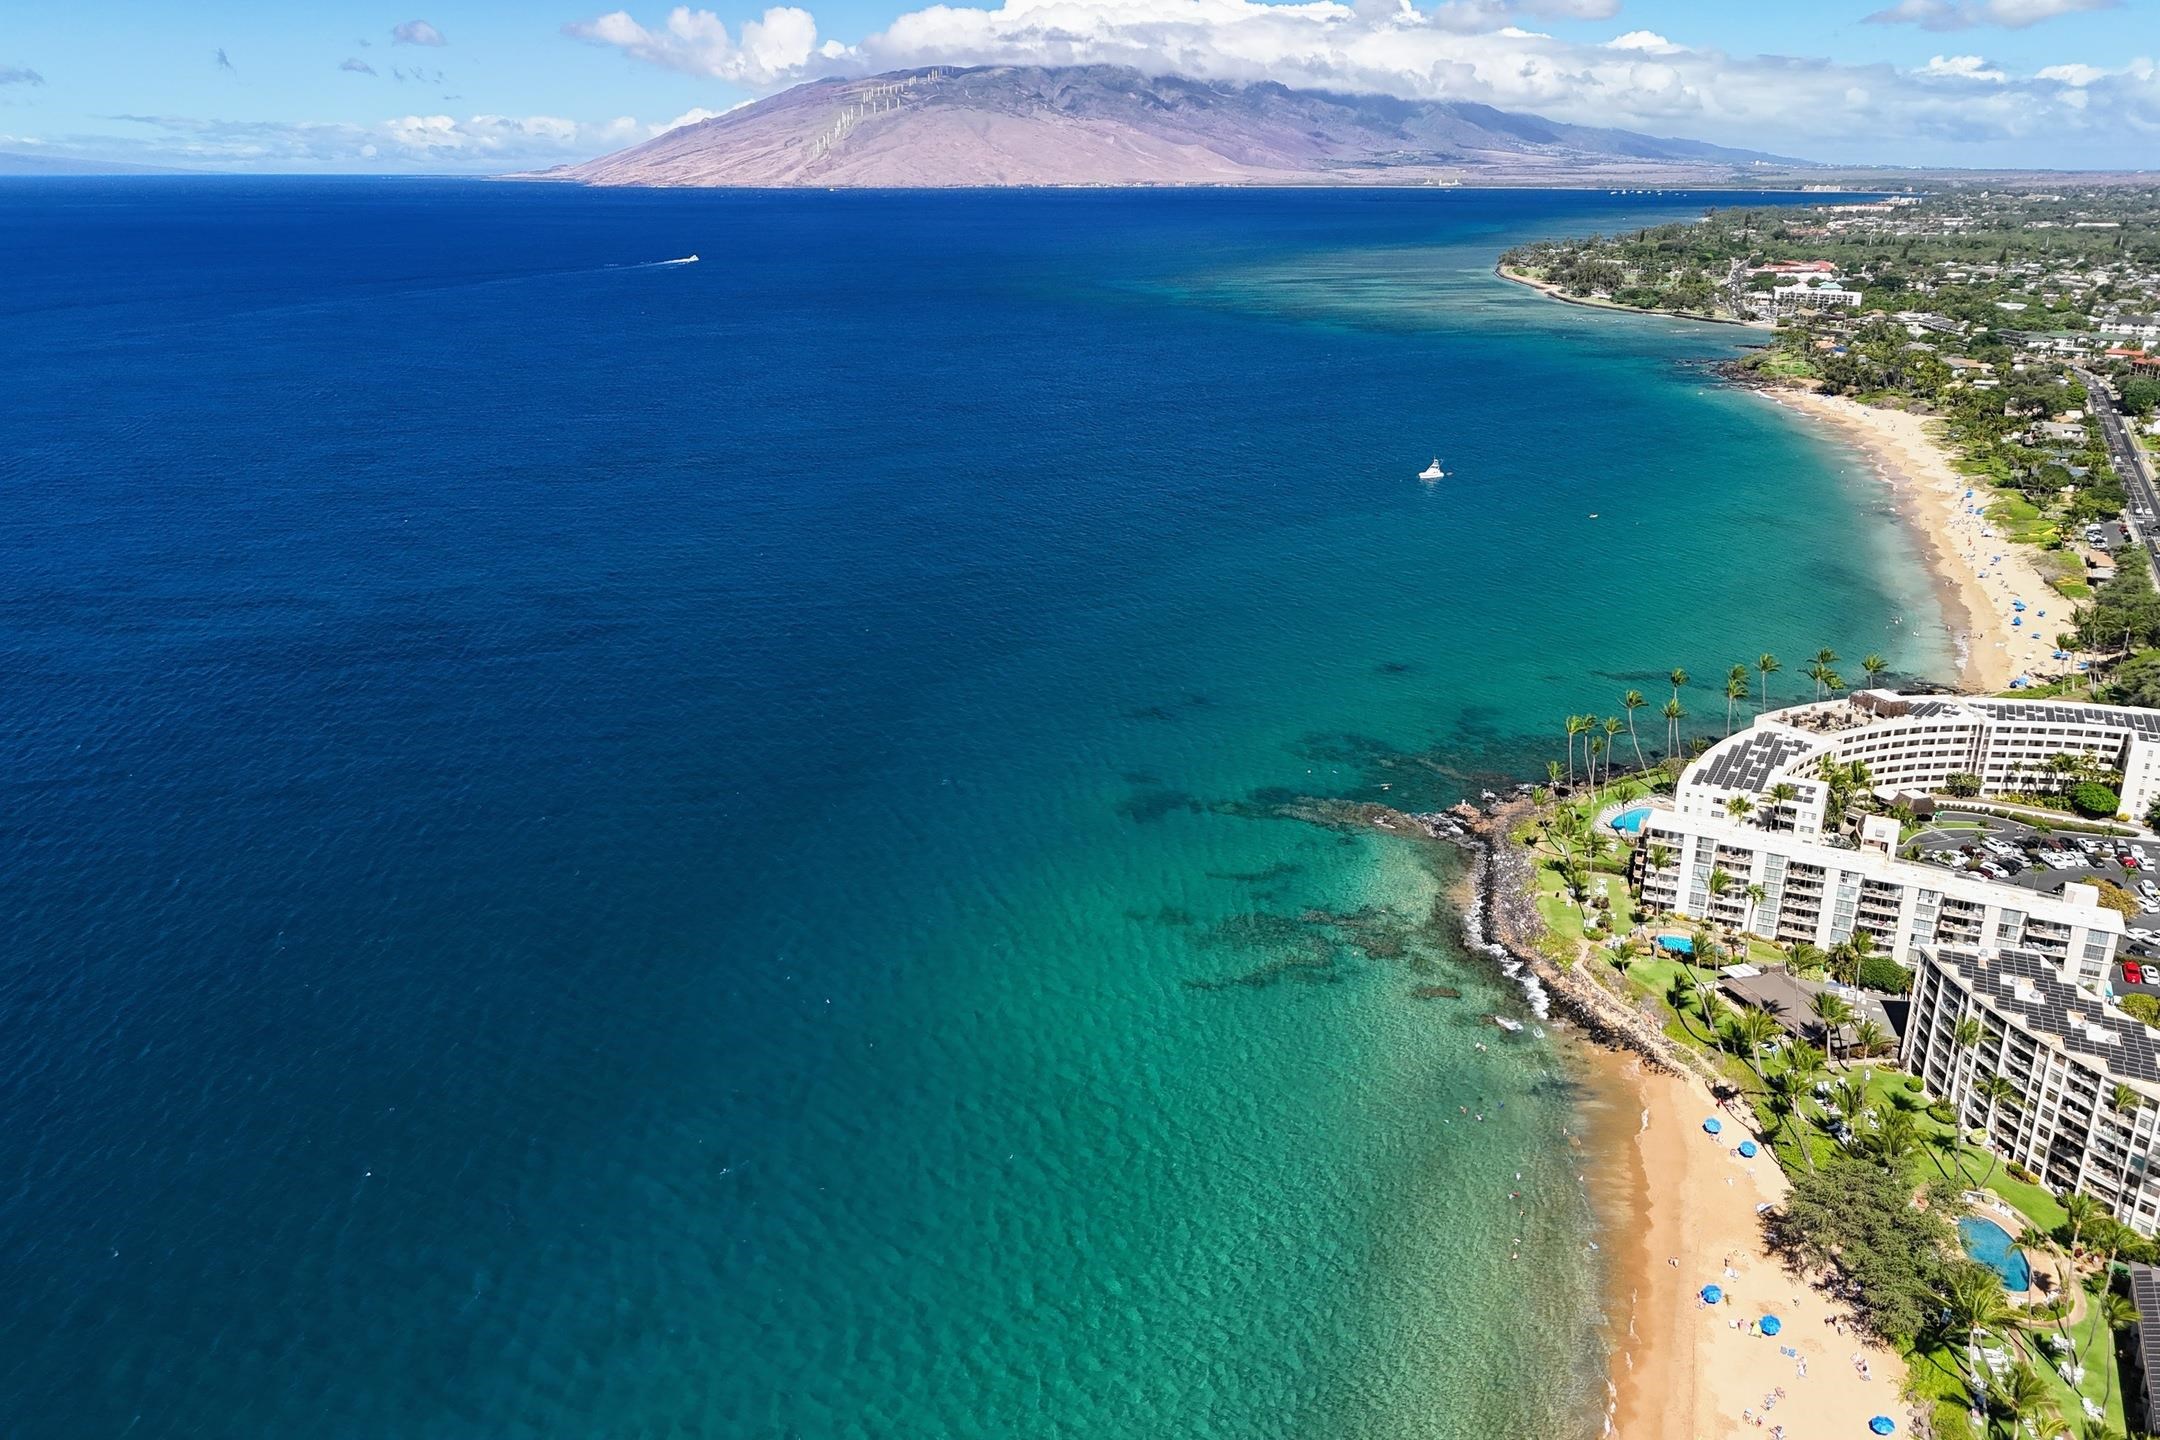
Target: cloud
[
  {"x": 695, "y": 115},
  {"x": 417, "y": 32},
  {"x": 19, "y": 75},
  {"x": 1964, "y": 14},
  {"x": 1647, "y": 41},
  {"x": 223, "y": 63},
  {"x": 2078, "y": 75},
  {"x": 1962, "y": 67},
  {"x": 776, "y": 47},
  {"x": 358, "y": 67}
]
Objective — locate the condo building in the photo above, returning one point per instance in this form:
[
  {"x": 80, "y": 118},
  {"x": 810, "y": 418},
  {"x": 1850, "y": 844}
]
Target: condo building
[
  {"x": 1752, "y": 810},
  {"x": 2085, "y": 1076}
]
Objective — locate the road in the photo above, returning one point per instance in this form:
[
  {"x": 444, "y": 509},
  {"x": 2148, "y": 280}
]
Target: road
[{"x": 2136, "y": 478}]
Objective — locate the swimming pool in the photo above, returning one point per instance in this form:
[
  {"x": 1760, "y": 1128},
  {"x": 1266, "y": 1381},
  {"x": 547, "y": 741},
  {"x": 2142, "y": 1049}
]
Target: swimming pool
[
  {"x": 1991, "y": 1245},
  {"x": 1629, "y": 822},
  {"x": 1677, "y": 944}
]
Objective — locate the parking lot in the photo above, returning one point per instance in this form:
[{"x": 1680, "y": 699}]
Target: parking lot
[{"x": 2017, "y": 854}]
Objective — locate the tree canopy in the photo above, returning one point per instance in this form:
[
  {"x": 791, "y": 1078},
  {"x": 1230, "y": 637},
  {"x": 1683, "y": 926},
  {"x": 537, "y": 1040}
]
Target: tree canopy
[{"x": 1860, "y": 1217}]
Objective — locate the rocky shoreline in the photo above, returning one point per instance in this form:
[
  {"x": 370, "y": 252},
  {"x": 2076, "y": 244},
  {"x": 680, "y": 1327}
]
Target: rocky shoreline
[{"x": 1501, "y": 920}]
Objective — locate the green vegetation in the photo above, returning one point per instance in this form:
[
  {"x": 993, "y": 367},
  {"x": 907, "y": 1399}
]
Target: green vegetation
[{"x": 2142, "y": 1008}]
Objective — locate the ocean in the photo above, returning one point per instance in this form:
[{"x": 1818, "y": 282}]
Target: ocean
[{"x": 596, "y": 847}]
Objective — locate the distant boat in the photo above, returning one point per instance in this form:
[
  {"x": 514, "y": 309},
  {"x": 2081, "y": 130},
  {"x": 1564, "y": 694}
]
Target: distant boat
[
  {"x": 684, "y": 260},
  {"x": 1432, "y": 471}
]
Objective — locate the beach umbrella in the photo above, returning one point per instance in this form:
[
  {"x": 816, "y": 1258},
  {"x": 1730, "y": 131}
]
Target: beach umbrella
[
  {"x": 1712, "y": 1125},
  {"x": 1882, "y": 1425},
  {"x": 1747, "y": 1149},
  {"x": 1711, "y": 1294},
  {"x": 1771, "y": 1324}
]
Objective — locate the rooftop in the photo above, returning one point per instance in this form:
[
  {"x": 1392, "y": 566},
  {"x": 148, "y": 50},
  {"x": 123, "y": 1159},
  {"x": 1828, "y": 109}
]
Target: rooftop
[{"x": 2029, "y": 990}]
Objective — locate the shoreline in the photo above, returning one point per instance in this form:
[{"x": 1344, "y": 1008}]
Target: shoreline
[
  {"x": 1677, "y": 1370},
  {"x": 1552, "y": 292},
  {"x": 1680, "y": 1370},
  {"x": 1978, "y": 572}
]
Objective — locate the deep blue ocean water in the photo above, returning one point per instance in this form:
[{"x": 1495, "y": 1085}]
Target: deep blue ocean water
[{"x": 607, "y": 849}]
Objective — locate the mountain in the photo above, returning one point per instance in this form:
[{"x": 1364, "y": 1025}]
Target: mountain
[
  {"x": 17, "y": 162},
  {"x": 1104, "y": 125}
]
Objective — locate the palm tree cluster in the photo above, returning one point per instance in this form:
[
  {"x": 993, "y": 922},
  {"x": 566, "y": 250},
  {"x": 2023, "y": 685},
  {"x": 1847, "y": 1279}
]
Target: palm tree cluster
[{"x": 1602, "y": 732}]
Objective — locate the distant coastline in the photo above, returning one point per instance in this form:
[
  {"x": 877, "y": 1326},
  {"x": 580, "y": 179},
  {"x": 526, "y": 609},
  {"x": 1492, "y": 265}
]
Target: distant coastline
[
  {"x": 1553, "y": 292},
  {"x": 1978, "y": 575}
]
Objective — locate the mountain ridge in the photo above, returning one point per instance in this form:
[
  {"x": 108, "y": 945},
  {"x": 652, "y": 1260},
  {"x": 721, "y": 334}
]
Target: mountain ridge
[{"x": 1108, "y": 125}]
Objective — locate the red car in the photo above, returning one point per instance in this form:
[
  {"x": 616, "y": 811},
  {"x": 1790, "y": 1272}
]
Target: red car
[{"x": 2133, "y": 973}]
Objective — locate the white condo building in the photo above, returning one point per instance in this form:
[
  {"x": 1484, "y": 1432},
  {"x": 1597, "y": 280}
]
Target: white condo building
[
  {"x": 2065, "y": 1051},
  {"x": 1790, "y": 881}
]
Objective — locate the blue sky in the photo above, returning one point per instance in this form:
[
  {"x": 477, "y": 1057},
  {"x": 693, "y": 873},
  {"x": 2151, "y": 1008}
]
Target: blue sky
[{"x": 502, "y": 84}]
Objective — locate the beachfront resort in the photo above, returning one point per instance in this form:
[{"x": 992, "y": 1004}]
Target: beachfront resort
[{"x": 1911, "y": 942}]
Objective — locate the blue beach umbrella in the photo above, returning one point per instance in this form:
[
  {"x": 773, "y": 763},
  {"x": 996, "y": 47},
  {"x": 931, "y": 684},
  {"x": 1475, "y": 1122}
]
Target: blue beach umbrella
[
  {"x": 1747, "y": 1149},
  {"x": 1711, "y": 1294},
  {"x": 1771, "y": 1324},
  {"x": 1712, "y": 1125},
  {"x": 1882, "y": 1425}
]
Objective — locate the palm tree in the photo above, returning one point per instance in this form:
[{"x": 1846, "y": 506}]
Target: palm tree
[
  {"x": 1832, "y": 1013},
  {"x": 1874, "y": 665},
  {"x": 1736, "y": 690},
  {"x": 1631, "y": 702},
  {"x": 1678, "y": 678},
  {"x": 1592, "y": 748},
  {"x": 2081, "y": 1210},
  {"x": 1673, "y": 715},
  {"x": 1755, "y": 896},
  {"x": 1552, "y": 773},
  {"x": 2116, "y": 1313},
  {"x": 1755, "y": 1028},
  {"x": 1780, "y": 795},
  {"x": 1680, "y": 993},
  {"x": 2021, "y": 1396},
  {"x": 1787, "y": 1087},
  {"x": 2123, "y": 1100},
  {"x": 1965, "y": 1037},
  {"x": 1895, "y": 1136},
  {"x": 1613, "y": 726},
  {"x": 1869, "y": 1038},
  {"x": 1999, "y": 1092},
  {"x": 1806, "y": 957},
  {"x": 1768, "y": 665},
  {"x": 1738, "y": 806},
  {"x": 1574, "y": 728},
  {"x": 1816, "y": 672}
]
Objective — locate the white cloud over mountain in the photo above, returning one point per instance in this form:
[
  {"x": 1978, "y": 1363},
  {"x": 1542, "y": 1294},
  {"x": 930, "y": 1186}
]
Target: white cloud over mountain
[{"x": 1474, "y": 50}]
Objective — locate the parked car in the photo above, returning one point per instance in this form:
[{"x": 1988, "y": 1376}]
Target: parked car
[{"x": 2133, "y": 973}]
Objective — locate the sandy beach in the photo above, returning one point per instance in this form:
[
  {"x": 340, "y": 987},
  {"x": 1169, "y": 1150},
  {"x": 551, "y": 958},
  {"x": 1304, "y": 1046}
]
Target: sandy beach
[
  {"x": 1978, "y": 572},
  {"x": 1683, "y": 1370}
]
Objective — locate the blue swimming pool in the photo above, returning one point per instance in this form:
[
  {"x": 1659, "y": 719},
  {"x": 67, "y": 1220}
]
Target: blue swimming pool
[
  {"x": 1677, "y": 944},
  {"x": 1991, "y": 1245},
  {"x": 1629, "y": 822}
]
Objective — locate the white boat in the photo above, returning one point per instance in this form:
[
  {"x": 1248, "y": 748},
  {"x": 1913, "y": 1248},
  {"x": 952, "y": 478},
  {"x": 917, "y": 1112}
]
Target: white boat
[{"x": 1432, "y": 471}]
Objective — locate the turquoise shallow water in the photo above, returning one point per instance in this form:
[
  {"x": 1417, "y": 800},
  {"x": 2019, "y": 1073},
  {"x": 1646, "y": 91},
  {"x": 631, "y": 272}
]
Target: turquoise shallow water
[{"x": 712, "y": 850}]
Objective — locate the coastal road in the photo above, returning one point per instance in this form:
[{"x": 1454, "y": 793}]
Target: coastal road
[{"x": 2137, "y": 479}]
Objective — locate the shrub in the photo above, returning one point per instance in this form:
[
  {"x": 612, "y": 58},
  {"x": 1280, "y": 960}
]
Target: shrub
[
  {"x": 2142, "y": 1007},
  {"x": 1880, "y": 972},
  {"x": 2090, "y": 797},
  {"x": 1941, "y": 1113},
  {"x": 1914, "y": 1083}
]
